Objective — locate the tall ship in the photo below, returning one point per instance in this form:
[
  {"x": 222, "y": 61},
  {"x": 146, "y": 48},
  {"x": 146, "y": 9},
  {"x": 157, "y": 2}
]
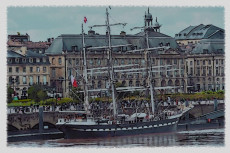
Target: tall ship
[{"x": 85, "y": 124}]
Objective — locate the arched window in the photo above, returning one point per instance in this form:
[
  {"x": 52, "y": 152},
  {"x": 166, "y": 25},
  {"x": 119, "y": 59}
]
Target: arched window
[
  {"x": 130, "y": 83},
  {"x": 53, "y": 61},
  {"x": 177, "y": 82},
  {"x": 163, "y": 83},
  {"x": 170, "y": 83},
  {"x": 123, "y": 83}
]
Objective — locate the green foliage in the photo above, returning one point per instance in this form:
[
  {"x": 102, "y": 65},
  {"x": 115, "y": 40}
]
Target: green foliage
[
  {"x": 42, "y": 95},
  {"x": 17, "y": 104},
  {"x": 22, "y": 100},
  {"x": 65, "y": 100},
  {"x": 37, "y": 93},
  {"x": 10, "y": 91}
]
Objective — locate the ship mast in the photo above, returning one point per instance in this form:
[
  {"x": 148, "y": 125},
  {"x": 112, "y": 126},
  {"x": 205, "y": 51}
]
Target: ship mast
[
  {"x": 85, "y": 78},
  {"x": 110, "y": 66},
  {"x": 148, "y": 65},
  {"x": 109, "y": 60}
]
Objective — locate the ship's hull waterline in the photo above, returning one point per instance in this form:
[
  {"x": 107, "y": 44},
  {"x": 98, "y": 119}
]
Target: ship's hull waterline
[{"x": 72, "y": 131}]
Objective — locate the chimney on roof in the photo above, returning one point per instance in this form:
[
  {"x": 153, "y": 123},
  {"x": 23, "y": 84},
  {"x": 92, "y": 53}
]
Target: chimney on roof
[
  {"x": 123, "y": 33},
  {"x": 91, "y": 32}
]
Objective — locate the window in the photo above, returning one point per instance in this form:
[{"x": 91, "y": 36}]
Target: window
[
  {"x": 17, "y": 60},
  {"x": 98, "y": 62},
  {"x": 209, "y": 62},
  {"x": 153, "y": 60},
  {"x": 17, "y": 69},
  {"x": 198, "y": 71},
  {"x": 31, "y": 60},
  {"x": 122, "y": 61},
  {"x": 59, "y": 61},
  {"x": 38, "y": 79},
  {"x": 191, "y": 71},
  {"x": 38, "y": 60},
  {"x": 44, "y": 69},
  {"x": 31, "y": 80},
  {"x": 116, "y": 62},
  {"x": 38, "y": 69},
  {"x": 53, "y": 61},
  {"x": 222, "y": 61},
  {"x": 168, "y": 61},
  {"x": 77, "y": 62},
  {"x": 217, "y": 61},
  {"x": 44, "y": 60},
  {"x": 161, "y": 61},
  {"x": 190, "y": 62},
  {"x": 175, "y": 61},
  {"x": 53, "y": 72},
  {"x": 10, "y": 69},
  {"x": 44, "y": 79},
  {"x": 31, "y": 69},
  {"x": 204, "y": 71},
  {"x": 70, "y": 61},
  {"x": 142, "y": 62},
  {"x": 130, "y": 61},
  {"x": 10, "y": 60},
  {"x": 24, "y": 79},
  {"x": 198, "y": 62},
  {"x": 203, "y": 62},
  {"x": 24, "y": 60},
  {"x": 217, "y": 71},
  {"x": 17, "y": 80}
]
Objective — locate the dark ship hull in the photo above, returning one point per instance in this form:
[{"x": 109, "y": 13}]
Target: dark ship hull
[{"x": 72, "y": 131}]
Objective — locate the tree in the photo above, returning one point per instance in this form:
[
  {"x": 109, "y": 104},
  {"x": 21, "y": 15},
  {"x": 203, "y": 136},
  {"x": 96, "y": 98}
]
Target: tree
[
  {"x": 42, "y": 95},
  {"x": 33, "y": 93},
  {"x": 10, "y": 91}
]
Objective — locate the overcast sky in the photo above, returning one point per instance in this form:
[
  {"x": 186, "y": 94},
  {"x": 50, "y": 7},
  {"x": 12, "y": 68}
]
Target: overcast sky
[{"x": 44, "y": 22}]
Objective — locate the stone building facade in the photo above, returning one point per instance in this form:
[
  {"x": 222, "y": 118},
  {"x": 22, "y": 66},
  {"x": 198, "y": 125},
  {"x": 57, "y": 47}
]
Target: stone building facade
[{"x": 25, "y": 68}]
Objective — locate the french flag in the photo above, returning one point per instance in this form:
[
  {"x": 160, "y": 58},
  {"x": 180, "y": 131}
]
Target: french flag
[{"x": 73, "y": 81}]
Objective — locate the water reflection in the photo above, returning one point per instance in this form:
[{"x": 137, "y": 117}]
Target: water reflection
[{"x": 188, "y": 138}]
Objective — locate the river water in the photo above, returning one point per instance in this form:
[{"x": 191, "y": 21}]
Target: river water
[{"x": 210, "y": 137}]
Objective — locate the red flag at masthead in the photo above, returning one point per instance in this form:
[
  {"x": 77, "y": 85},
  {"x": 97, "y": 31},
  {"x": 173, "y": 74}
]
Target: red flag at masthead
[{"x": 85, "y": 19}]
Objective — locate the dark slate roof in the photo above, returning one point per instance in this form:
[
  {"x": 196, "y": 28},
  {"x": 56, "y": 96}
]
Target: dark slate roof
[
  {"x": 66, "y": 41},
  {"x": 201, "y": 32},
  {"x": 30, "y": 53},
  {"x": 209, "y": 46},
  {"x": 12, "y": 54}
]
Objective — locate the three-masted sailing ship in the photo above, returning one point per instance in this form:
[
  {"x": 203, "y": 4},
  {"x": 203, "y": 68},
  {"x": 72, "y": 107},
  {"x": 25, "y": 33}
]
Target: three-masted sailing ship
[{"x": 118, "y": 124}]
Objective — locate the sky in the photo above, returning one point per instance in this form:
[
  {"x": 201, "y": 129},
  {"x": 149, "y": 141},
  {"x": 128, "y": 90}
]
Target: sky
[{"x": 46, "y": 22}]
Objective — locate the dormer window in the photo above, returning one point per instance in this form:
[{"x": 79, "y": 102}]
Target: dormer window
[
  {"x": 24, "y": 60},
  {"x": 44, "y": 60},
  {"x": 161, "y": 44},
  {"x": 17, "y": 60},
  {"x": 31, "y": 60},
  {"x": 10, "y": 60},
  {"x": 38, "y": 60},
  {"x": 184, "y": 34},
  {"x": 74, "y": 48}
]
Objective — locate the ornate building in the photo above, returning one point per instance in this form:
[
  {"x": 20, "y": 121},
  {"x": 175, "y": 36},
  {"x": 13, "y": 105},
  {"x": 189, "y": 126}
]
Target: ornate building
[
  {"x": 25, "y": 68},
  {"x": 65, "y": 55}
]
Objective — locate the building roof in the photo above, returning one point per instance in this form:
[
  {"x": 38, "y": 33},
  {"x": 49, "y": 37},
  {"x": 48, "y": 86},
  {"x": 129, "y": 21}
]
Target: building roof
[
  {"x": 66, "y": 41},
  {"x": 12, "y": 54},
  {"x": 200, "y": 32},
  {"x": 208, "y": 46}
]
